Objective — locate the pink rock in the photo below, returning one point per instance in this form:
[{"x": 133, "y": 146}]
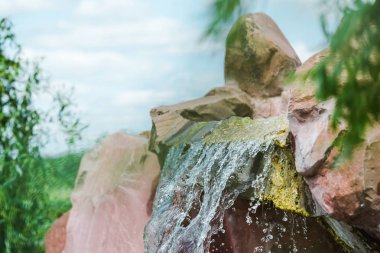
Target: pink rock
[
  {"x": 55, "y": 238},
  {"x": 112, "y": 197},
  {"x": 310, "y": 126},
  {"x": 350, "y": 191}
]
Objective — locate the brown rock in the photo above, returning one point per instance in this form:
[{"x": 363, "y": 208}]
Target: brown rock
[
  {"x": 112, "y": 197},
  {"x": 268, "y": 229},
  {"x": 55, "y": 238},
  {"x": 258, "y": 56},
  {"x": 218, "y": 104}
]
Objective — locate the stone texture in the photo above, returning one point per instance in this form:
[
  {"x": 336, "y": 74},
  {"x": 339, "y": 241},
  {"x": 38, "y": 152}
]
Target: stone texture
[
  {"x": 310, "y": 63},
  {"x": 349, "y": 191},
  {"x": 310, "y": 126},
  {"x": 272, "y": 230},
  {"x": 218, "y": 104},
  {"x": 112, "y": 197},
  {"x": 281, "y": 224},
  {"x": 258, "y": 56},
  {"x": 55, "y": 238},
  {"x": 269, "y": 107}
]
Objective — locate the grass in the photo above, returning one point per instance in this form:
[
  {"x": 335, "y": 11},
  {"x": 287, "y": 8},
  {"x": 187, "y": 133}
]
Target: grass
[{"x": 61, "y": 173}]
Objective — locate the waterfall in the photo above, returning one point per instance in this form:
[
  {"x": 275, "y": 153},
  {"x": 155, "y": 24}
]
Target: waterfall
[{"x": 198, "y": 183}]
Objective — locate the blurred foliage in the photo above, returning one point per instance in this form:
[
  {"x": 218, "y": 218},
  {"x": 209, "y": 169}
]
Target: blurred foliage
[
  {"x": 61, "y": 172},
  {"x": 223, "y": 12},
  {"x": 24, "y": 175},
  {"x": 350, "y": 73}
]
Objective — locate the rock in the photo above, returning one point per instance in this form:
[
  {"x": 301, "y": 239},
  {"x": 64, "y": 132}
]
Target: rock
[
  {"x": 55, "y": 238},
  {"x": 269, "y": 107},
  {"x": 214, "y": 180},
  {"x": 232, "y": 186},
  {"x": 112, "y": 197},
  {"x": 218, "y": 104},
  {"x": 349, "y": 191},
  {"x": 258, "y": 56},
  {"x": 270, "y": 229},
  {"x": 310, "y": 126},
  {"x": 310, "y": 63}
]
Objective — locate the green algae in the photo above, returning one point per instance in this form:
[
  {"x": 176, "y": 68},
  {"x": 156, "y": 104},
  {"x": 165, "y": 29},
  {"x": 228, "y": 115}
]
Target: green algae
[{"x": 245, "y": 129}]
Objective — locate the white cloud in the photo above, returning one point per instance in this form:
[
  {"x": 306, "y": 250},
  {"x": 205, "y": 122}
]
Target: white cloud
[
  {"x": 76, "y": 63},
  {"x": 149, "y": 97},
  {"x": 95, "y": 8},
  {"x": 8, "y": 7},
  {"x": 303, "y": 51},
  {"x": 151, "y": 33}
]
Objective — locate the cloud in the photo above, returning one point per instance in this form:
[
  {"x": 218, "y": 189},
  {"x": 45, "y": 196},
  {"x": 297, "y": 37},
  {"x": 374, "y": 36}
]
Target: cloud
[
  {"x": 150, "y": 34},
  {"x": 104, "y": 64},
  {"x": 303, "y": 51},
  {"x": 135, "y": 98},
  {"x": 8, "y": 7},
  {"x": 96, "y": 8}
]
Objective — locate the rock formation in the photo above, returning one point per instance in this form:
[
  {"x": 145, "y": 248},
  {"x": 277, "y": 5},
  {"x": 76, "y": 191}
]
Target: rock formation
[
  {"x": 258, "y": 56},
  {"x": 112, "y": 197},
  {"x": 253, "y": 166},
  {"x": 55, "y": 239}
]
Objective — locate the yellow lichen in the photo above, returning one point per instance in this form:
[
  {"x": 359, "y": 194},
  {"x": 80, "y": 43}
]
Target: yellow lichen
[
  {"x": 285, "y": 186},
  {"x": 245, "y": 129}
]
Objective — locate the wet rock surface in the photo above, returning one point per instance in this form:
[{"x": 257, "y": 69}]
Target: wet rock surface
[
  {"x": 213, "y": 182},
  {"x": 249, "y": 227}
]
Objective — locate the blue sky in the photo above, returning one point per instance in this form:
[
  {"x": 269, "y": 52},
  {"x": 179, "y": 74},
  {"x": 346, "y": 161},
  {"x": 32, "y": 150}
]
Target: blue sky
[{"x": 123, "y": 57}]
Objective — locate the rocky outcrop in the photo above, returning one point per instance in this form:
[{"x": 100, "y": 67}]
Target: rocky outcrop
[
  {"x": 224, "y": 188},
  {"x": 349, "y": 190},
  {"x": 219, "y": 103},
  {"x": 55, "y": 238},
  {"x": 310, "y": 126},
  {"x": 346, "y": 190},
  {"x": 253, "y": 166},
  {"x": 112, "y": 197},
  {"x": 258, "y": 56}
]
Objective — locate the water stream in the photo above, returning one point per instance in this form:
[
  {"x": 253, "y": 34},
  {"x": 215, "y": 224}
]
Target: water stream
[{"x": 198, "y": 183}]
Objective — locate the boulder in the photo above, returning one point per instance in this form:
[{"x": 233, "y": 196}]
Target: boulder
[
  {"x": 350, "y": 190},
  {"x": 310, "y": 63},
  {"x": 55, "y": 238},
  {"x": 258, "y": 56},
  {"x": 231, "y": 186},
  {"x": 220, "y": 103},
  {"x": 270, "y": 106},
  {"x": 310, "y": 126},
  {"x": 346, "y": 190},
  {"x": 274, "y": 230},
  {"x": 112, "y": 197}
]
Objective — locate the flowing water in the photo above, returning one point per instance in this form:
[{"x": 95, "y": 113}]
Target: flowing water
[{"x": 198, "y": 183}]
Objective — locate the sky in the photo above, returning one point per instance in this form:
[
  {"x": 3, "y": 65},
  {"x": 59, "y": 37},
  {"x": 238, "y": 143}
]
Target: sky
[{"x": 123, "y": 57}]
